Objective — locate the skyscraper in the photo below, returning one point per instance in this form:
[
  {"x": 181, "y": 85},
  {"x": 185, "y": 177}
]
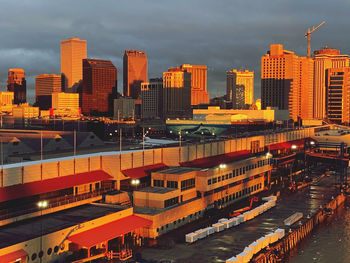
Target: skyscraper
[
  {"x": 235, "y": 81},
  {"x": 326, "y": 58},
  {"x": 199, "y": 92},
  {"x": 73, "y": 51},
  {"x": 176, "y": 93},
  {"x": 134, "y": 72},
  {"x": 152, "y": 98},
  {"x": 45, "y": 85},
  {"x": 287, "y": 82},
  {"x": 16, "y": 83},
  {"x": 99, "y": 86},
  {"x": 338, "y": 95}
]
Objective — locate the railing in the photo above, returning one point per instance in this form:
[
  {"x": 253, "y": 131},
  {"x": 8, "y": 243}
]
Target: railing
[{"x": 52, "y": 203}]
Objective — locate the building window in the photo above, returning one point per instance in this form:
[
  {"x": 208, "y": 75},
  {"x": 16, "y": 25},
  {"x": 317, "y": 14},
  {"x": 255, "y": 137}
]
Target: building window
[
  {"x": 159, "y": 183},
  {"x": 171, "y": 201},
  {"x": 171, "y": 184},
  {"x": 214, "y": 180},
  {"x": 209, "y": 181},
  {"x": 188, "y": 184}
]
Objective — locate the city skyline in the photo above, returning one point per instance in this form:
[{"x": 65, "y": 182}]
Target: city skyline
[{"x": 233, "y": 41}]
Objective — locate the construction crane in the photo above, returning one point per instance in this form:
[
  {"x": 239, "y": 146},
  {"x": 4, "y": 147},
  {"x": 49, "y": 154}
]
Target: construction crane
[{"x": 308, "y": 36}]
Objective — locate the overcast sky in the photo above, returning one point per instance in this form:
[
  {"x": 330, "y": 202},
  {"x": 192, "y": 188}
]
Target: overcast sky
[{"x": 221, "y": 34}]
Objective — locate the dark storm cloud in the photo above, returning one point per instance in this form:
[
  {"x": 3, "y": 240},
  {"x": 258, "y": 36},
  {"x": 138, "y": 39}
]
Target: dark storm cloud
[{"x": 222, "y": 34}]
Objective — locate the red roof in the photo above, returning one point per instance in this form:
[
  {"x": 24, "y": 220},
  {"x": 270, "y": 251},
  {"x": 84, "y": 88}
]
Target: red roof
[
  {"x": 50, "y": 185},
  {"x": 13, "y": 256},
  {"x": 140, "y": 172},
  {"x": 212, "y": 161},
  {"x": 286, "y": 145},
  {"x": 90, "y": 238}
]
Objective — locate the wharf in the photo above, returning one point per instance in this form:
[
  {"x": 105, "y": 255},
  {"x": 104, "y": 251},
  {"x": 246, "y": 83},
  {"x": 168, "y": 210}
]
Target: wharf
[{"x": 223, "y": 245}]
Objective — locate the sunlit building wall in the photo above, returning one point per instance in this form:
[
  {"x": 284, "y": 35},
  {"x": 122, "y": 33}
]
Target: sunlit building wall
[
  {"x": 16, "y": 83},
  {"x": 61, "y": 100},
  {"x": 326, "y": 58},
  {"x": 73, "y": 51},
  {"x": 134, "y": 72},
  {"x": 235, "y": 80},
  {"x": 199, "y": 94},
  {"x": 176, "y": 93},
  {"x": 45, "y": 85}
]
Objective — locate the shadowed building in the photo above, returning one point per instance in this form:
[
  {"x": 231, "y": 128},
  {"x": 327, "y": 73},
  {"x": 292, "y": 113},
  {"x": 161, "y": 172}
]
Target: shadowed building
[
  {"x": 134, "y": 72},
  {"x": 73, "y": 51},
  {"x": 199, "y": 94},
  {"x": 16, "y": 83},
  {"x": 287, "y": 82},
  {"x": 235, "y": 81},
  {"x": 152, "y": 98},
  {"x": 177, "y": 93},
  {"x": 326, "y": 58},
  {"x": 99, "y": 85},
  {"x": 45, "y": 85}
]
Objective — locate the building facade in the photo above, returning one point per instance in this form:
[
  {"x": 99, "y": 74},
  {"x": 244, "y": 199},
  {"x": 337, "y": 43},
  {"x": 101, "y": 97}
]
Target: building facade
[
  {"x": 134, "y": 72},
  {"x": 338, "y": 95},
  {"x": 199, "y": 94},
  {"x": 73, "y": 51},
  {"x": 326, "y": 58},
  {"x": 176, "y": 93},
  {"x": 16, "y": 83},
  {"x": 287, "y": 82},
  {"x": 152, "y": 99},
  {"x": 99, "y": 86},
  {"x": 45, "y": 85},
  {"x": 124, "y": 108},
  {"x": 236, "y": 81}
]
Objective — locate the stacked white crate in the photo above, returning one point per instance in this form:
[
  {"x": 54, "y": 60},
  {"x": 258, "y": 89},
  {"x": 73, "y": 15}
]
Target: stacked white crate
[
  {"x": 218, "y": 227},
  {"x": 191, "y": 237},
  {"x": 233, "y": 260},
  {"x": 245, "y": 258}
]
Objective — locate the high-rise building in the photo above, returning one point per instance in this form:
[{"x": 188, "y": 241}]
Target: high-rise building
[
  {"x": 235, "y": 81},
  {"x": 16, "y": 83},
  {"x": 152, "y": 98},
  {"x": 134, "y": 72},
  {"x": 73, "y": 51},
  {"x": 287, "y": 82},
  {"x": 199, "y": 94},
  {"x": 338, "y": 95},
  {"x": 326, "y": 58},
  {"x": 99, "y": 86},
  {"x": 176, "y": 93},
  {"x": 61, "y": 100},
  {"x": 45, "y": 85}
]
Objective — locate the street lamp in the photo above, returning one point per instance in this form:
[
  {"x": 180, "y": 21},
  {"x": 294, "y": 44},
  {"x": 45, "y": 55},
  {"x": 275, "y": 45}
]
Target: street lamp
[
  {"x": 312, "y": 143},
  {"x": 222, "y": 165},
  {"x": 268, "y": 155},
  {"x": 294, "y": 147},
  {"x": 135, "y": 182},
  {"x": 42, "y": 205}
]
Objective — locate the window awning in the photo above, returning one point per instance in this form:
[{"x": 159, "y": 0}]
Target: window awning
[
  {"x": 287, "y": 145},
  {"x": 140, "y": 172},
  {"x": 106, "y": 232},
  {"x": 212, "y": 161},
  {"x": 50, "y": 185},
  {"x": 13, "y": 256}
]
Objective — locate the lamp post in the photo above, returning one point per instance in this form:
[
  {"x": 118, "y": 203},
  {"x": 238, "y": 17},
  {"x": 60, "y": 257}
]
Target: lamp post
[{"x": 42, "y": 205}]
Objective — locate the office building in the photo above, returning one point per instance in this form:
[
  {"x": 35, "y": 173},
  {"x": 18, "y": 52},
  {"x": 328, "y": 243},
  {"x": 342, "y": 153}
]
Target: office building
[
  {"x": 287, "y": 82},
  {"x": 99, "y": 86},
  {"x": 326, "y": 58},
  {"x": 124, "y": 108},
  {"x": 338, "y": 95},
  {"x": 16, "y": 83},
  {"x": 152, "y": 99},
  {"x": 134, "y": 72},
  {"x": 73, "y": 51},
  {"x": 199, "y": 94},
  {"x": 236, "y": 81},
  {"x": 45, "y": 85},
  {"x": 177, "y": 93}
]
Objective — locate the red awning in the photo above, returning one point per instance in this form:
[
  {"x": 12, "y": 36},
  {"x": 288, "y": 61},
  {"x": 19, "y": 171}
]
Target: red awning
[
  {"x": 287, "y": 145},
  {"x": 13, "y": 256},
  {"x": 212, "y": 161},
  {"x": 106, "y": 232},
  {"x": 50, "y": 185},
  {"x": 143, "y": 171}
]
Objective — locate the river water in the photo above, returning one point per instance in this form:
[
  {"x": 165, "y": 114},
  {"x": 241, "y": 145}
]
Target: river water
[{"x": 330, "y": 243}]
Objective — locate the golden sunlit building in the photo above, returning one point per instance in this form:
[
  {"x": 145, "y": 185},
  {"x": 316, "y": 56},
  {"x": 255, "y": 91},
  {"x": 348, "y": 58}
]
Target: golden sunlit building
[
  {"x": 236, "y": 82},
  {"x": 338, "y": 95},
  {"x": 45, "y": 85},
  {"x": 66, "y": 103},
  {"x": 287, "y": 82},
  {"x": 73, "y": 51},
  {"x": 199, "y": 94},
  {"x": 176, "y": 93},
  {"x": 16, "y": 83},
  {"x": 134, "y": 72},
  {"x": 326, "y": 58}
]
